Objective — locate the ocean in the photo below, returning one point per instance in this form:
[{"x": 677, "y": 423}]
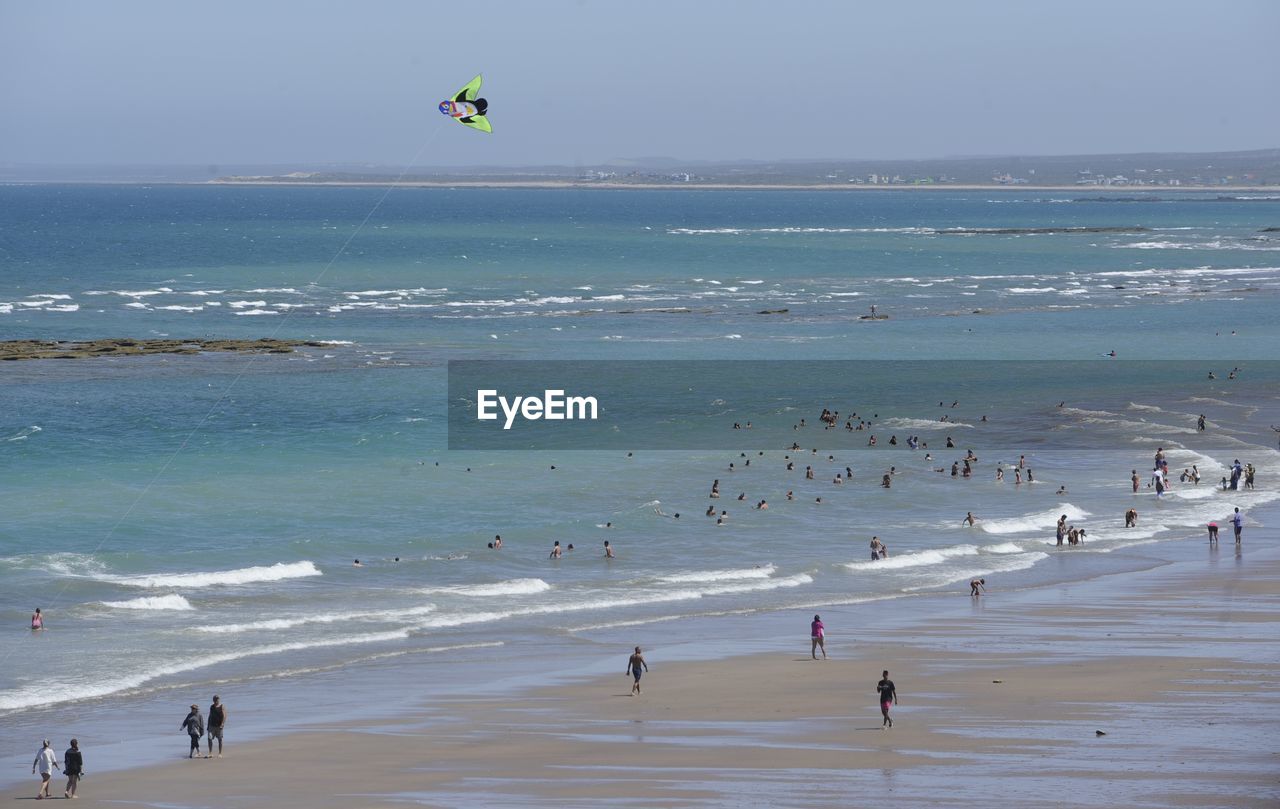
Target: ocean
[{"x": 188, "y": 524}]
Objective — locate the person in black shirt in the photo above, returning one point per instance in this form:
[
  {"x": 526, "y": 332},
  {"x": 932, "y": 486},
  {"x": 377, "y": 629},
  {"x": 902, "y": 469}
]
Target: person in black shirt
[
  {"x": 73, "y": 768},
  {"x": 888, "y": 697},
  {"x": 217, "y": 718}
]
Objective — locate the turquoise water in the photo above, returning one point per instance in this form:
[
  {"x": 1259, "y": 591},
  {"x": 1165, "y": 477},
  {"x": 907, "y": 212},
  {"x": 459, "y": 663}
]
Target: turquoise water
[{"x": 192, "y": 521}]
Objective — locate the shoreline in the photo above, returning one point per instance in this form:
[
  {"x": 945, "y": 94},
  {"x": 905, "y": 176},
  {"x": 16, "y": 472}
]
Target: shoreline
[
  {"x": 691, "y": 186},
  {"x": 562, "y": 184},
  {"x": 1146, "y": 656}
]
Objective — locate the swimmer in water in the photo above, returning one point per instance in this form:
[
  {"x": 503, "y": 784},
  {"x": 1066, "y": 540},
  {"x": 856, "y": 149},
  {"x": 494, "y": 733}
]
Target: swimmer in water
[
  {"x": 968, "y": 518},
  {"x": 608, "y": 551},
  {"x": 37, "y": 621},
  {"x": 555, "y": 551}
]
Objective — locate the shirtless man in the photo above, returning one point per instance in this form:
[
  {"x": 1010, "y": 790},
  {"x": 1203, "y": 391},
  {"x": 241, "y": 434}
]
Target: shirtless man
[
  {"x": 634, "y": 663},
  {"x": 975, "y": 584},
  {"x": 1131, "y": 518},
  {"x": 968, "y": 518}
]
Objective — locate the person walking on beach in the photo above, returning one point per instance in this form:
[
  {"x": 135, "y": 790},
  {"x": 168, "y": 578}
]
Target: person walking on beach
[
  {"x": 194, "y": 726},
  {"x": 217, "y": 720},
  {"x": 888, "y": 698},
  {"x": 817, "y": 638},
  {"x": 634, "y": 665},
  {"x": 73, "y": 768},
  {"x": 1237, "y": 523},
  {"x": 46, "y": 761}
]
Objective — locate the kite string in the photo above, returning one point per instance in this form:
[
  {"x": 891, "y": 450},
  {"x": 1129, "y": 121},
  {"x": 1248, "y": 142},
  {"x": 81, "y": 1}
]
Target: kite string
[{"x": 243, "y": 370}]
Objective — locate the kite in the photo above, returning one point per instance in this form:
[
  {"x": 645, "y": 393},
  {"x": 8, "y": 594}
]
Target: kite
[{"x": 465, "y": 108}]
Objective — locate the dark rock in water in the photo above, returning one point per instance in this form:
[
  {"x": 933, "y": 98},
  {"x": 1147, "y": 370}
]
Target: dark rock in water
[
  {"x": 117, "y": 347},
  {"x": 1099, "y": 733},
  {"x": 1270, "y": 230},
  {"x": 1117, "y": 287},
  {"x": 773, "y": 311}
]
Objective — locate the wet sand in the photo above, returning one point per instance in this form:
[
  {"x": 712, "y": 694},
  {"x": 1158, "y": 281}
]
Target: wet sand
[{"x": 1001, "y": 698}]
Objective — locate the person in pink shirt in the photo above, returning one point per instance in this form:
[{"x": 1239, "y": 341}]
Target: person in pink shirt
[{"x": 817, "y": 638}]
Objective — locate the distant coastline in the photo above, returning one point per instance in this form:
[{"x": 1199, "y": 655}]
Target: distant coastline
[{"x": 563, "y": 184}]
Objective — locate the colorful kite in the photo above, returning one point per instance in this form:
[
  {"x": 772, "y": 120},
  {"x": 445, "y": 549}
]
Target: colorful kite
[{"x": 466, "y": 108}]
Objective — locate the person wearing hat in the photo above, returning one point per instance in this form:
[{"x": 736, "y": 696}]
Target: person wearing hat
[
  {"x": 194, "y": 726},
  {"x": 47, "y": 762},
  {"x": 217, "y": 718}
]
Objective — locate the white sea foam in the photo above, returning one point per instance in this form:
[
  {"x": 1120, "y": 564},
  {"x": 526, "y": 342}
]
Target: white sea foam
[
  {"x": 52, "y": 691},
  {"x": 1003, "y": 547},
  {"x": 511, "y": 587},
  {"x": 246, "y": 304},
  {"x": 762, "y": 572},
  {"x": 915, "y": 559},
  {"x": 630, "y": 599},
  {"x": 244, "y": 575},
  {"x": 141, "y": 293},
  {"x": 279, "y": 624},
  {"x": 21, "y": 435},
  {"x": 257, "y": 312},
  {"x": 169, "y": 602},
  {"x": 1033, "y": 523},
  {"x": 1005, "y": 564},
  {"x": 922, "y": 424}
]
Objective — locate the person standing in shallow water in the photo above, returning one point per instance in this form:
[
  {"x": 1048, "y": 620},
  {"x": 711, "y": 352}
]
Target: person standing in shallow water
[
  {"x": 634, "y": 664},
  {"x": 888, "y": 698}
]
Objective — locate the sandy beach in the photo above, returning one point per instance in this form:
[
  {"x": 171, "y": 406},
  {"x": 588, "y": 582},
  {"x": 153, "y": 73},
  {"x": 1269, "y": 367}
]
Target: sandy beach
[{"x": 1001, "y": 699}]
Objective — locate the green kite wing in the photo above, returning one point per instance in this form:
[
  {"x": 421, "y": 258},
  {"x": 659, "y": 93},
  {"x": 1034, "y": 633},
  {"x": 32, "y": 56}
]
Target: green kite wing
[{"x": 470, "y": 92}]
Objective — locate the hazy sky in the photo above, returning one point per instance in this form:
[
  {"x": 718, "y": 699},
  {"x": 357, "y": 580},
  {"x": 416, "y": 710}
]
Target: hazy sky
[{"x": 579, "y": 83}]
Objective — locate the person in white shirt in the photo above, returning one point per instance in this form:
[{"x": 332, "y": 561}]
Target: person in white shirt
[{"x": 46, "y": 761}]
